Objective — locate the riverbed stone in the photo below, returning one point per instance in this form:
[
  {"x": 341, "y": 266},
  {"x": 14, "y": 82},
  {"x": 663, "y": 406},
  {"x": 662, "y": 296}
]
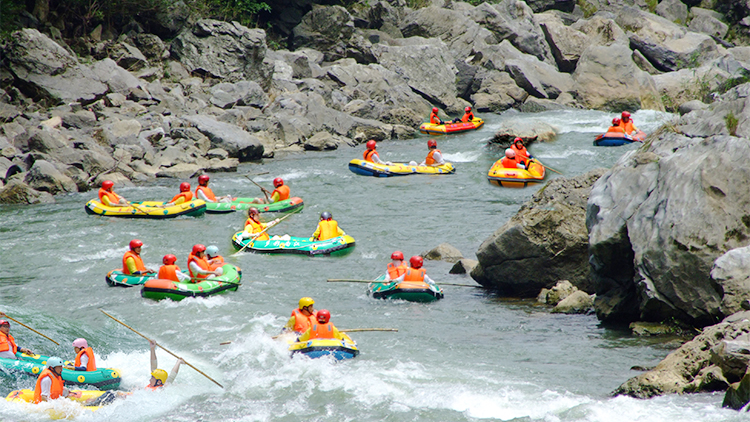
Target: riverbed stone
[
  {"x": 530, "y": 130},
  {"x": 18, "y": 192},
  {"x": 238, "y": 143},
  {"x": 578, "y": 302},
  {"x": 443, "y": 252},
  {"x": 463, "y": 266},
  {"x": 44, "y": 176}
]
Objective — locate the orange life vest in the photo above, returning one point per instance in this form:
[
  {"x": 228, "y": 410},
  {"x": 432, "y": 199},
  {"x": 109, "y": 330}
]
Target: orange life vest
[
  {"x": 303, "y": 322},
  {"x": 283, "y": 191},
  {"x": 521, "y": 152},
  {"x": 91, "y": 365},
  {"x": 430, "y": 161},
  {"x": 148, "y": 387},
  {"x": 112, "y": 198},
  {"x": 168, "y": 272},
  {"x": 216, "y": 262},
  {"x": 257, "y": 227},
  {"x": 182, "y": 197},
  {"x": 467, "y": 117},
  {"x": 509, "y": 163},
  {"x": 415, "y": 274},
  {"x": 207, "y": 192},
  {"x": 318, "y": 330},
  {"x": 8, "y": 343},
  {"x": 201, "y": 263},
  {"x": 434, "y": 119},
  {"x": 368, "y": 155},
  {"x": 617, "y": 129},
  {"x": 328, "y": 229},
  {"x": 138, "y": 262},
  {"x": 628, "y": 127},
  {"x": 395, "y": 272},
  {"x": 55, "y": 390}
]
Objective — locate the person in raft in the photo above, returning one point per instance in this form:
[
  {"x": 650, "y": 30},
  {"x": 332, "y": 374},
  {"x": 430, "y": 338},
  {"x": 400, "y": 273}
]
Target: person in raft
[
  {"x": 328, "y": 228},
  {"x": 415, "y": 272},
  {"x": 214, "y": 259},
  {"x": 8, "y": 346},
  {"x": 434, "y": 157},
  {"x": 184, "y": 196},
  {"x": 511, "y": 161},
  {"x": 49, "y": 384},
  {"x": 322, "y": 327},
  {"x": 371, "y": 155},
  {"x": 170, "y": 270},
  {"x": 109, "y": 198},
  {"x": 84, "y": 360},
  {"x": 434, "y": 119},
  {"x": 627, "y": 123},
  {"x": 202, "y": 191},
  {"x": 616, "y": 126},
  {"x": 396, "y": 268},
  {"x": 302, "y": 318},
  {"x": 521, "y": 152},
  {"x": 254, "y": 228},
  {"x": 280, "y": 193},
  {"x": 467, "y": 117},
  {"x": 198, "y": 265},
  {"x": 159, "y": 377},
  {"x": 132, "y": 264}
]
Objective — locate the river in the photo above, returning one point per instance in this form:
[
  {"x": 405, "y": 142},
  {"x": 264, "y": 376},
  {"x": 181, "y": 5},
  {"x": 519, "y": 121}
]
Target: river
[{"x": 471, "y": 356}]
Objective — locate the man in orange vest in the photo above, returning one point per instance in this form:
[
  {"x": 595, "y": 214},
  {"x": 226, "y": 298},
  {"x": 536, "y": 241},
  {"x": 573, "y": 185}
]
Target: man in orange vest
[
  {"x": 511, "y": 161},
  {"x": 627, "y": 123},
  {"x": 170, "y": 270},
  {"x": 302, "y": 317},
  {"x": 8, "y": 346},
  {"x": 202, "y": 191},
  {"x": 467, "y": 117},
  {"x": 616, "y": 126},
  {"x": 108, "y": 197},
  {"x": 520, "y": 149},
  {"x": 415, "y": 272},
  {"x": 321, "y": 328},
  {"x": 198, "y": 265},
  {"x": 132, "y": 264},
  {"x": 328, "y": 228},
  {"x": 84, "y": 360},
  {"x": 434, "y": 119},
  {"x": 397, "y": 267},
  {"x": 254, "y": 228},
  {"x": 50, "y": 385},
  {"x": 214, "y": 259},
  {"x": 371, "y": 155},
  {"x": 434, "y": 157},
  {"x": 280, "y": 193},
  {"x": 184, "y": 196}
]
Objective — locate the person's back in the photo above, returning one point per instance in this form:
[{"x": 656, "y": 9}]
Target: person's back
[
  {"x": 322, "y": 328},
  {"x": 511, "y": 161},
  {"x": 396, "y": 267},
  {"x": 616, "y": 127},
  {"x": 184, "y": 196},
  {"x": 328, "y": 228}
]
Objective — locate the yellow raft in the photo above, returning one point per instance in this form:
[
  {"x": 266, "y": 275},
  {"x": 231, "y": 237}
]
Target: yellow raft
[
  {"x": 516, "y": 178},
  {"x": 78, "y": 396},
  {"x": 367, "y": 168},
  {"x": 447, "y": 128},
  {"x": 147, "y": 209}
]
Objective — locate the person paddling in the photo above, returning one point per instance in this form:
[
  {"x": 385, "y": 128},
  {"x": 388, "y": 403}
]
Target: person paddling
[
  {"x": 84, "y": 360},
  {"x": 49, "y": 384},
  {"x": 108, "y": 197},
  {"x": 159, "y": 377},
  {"x": 328, "y": 228},
  {"x": 521, "y": 153},
  {"x": 322, "y": 327},
  {"x": 372, "y": 155},
  {"x": 202, "y": 191},
  {"x": 302, "y": 317},
  {"x": 184, "y": 196},
  {"x": 8, "y": 346},
  {"x": 627, "y": 123},
  {"x": 132, "y": 264},
  {"x": 434, "y": 157},
  {"x": 198, "y": 265},
  {"x": 214, "y": 259},
  {"x": 415, "y": 272},
  {"x": 434, "y": 119},
  {"x": 396, "y": 268},
  {"x": 170, "y": 270},
  {"x": 280, "y": 192},
  {"x": 254, "y": 228}
]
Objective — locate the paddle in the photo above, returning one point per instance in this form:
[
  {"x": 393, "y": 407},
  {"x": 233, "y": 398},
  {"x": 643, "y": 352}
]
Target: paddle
[
  {"x": 263, "y": 231},
  {"x": 257, "y": 174},
  {"x": 347, "y": 280},
  {"x": 265, "y": 191},
  {"x": 349, "y": 330},
  {"x": 26, "y": 326},
  {"x": 548, "y": 168},
  {"x": 186, "y": 363}
]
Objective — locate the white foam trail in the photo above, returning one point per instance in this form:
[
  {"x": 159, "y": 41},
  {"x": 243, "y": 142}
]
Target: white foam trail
[
  {"x": 565, "y": 154},
  {"x": 463, "y": 157},
  {"x": 591, "y": 121}
]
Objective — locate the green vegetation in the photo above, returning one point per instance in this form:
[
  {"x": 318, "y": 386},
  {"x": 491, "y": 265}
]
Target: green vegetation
[
  {"x": 732, "y": 121},
  {"x": 417, "y": 4},
  {"x": 733, "y": 82},
  {"x": 652, "y": 5},
  {"x": 587, "y": 8}
]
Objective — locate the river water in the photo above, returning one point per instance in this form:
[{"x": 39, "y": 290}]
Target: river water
[{"x": 468, "y": 357}]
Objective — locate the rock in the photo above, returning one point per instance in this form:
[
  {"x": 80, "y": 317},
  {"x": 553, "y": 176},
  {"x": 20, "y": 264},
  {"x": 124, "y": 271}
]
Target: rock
[
  {"x": 226, "y": 165},
  {"x": 707, "y": 24},
  {"x": 463, "y": 266},
  {"x": 732, "y": 357},
  {"x": 113, "y": 76},
  {"x": 224, "y": 50},
  {"x": 52, "y": 123},
  {"x": 538, "y": 105},
  {"x": 578, "y": 302},
  {"x": 46, "y": 140},
  {"x": 566, "y": 43},
  {"x": 529, "y": 129},
  {"x": 323, "y": 141},
  {"x": 738, "y": 394},
  {"x": 326, "y": 29},
  {"x": 692, "y": 105},
  {"x": 643, "y": 329},
  {"x": 673, "y": 11},
  {"x": 539, "y": 6},
  {"x": 547, "y": 238},
  {"x": 443, "y": 252},
  {"x": 8, "y": 112},
  {"x": 180, "y": 171},
  {"x": 18, "y": 192},
  {"x": 238, "y": 143},
  {"x": 127, "y": 56},
  {"x": 559, "y": 291},
  {"x": 643, "y": 63},
  {"x": 538, "y": 79},
  {"x": 243, "y": 93},
  {"x": 497, "y": 92},
  {"x": 689, "y": 369},
  {"x": 730, "y": 271},
  {"x": 44, "y": 176},
  {"x": 80, "y": 119},
  {"x": 151, "y": 46}
]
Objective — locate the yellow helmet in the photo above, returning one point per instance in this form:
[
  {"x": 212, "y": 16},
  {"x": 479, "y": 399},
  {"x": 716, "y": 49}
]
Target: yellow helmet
[
  {"x": 305, "y": 302},
  {"x": 160, "y": 374}
]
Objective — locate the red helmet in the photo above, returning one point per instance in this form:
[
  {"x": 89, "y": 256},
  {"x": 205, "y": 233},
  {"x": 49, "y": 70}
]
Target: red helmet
[
  {"x": 625, "y": 114},
  {"x": 467, "y": 109},
  {"x": 4, "y": 322},
  {"x": 203, "y": 179},
  {"x": 432, "y": 143},
  {"x": 416, "y": 261},
  {"x": 323, "y": 316},
  {"x": 397, "y": 255},
  {"x": 107, "y": 184},
  {"x": 434, "y": 109},
  {"x": 616, "y": 121},
  {"x": 135, "y": 243},
  {"x": 198, "y": 248},
  {"x": 169, "y": 259},
  {"x": 278, "y": 182},
  {"x": 371, "y": 144},
  {"x": 517, "y": 140},
  {"x": 252, "y": 210},
  {"x": 184, "y": 187}
]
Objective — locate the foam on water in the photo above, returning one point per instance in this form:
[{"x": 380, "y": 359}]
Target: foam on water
[
  {"x": 462, "y": 157},
  {"x": 591, "y": 121}
]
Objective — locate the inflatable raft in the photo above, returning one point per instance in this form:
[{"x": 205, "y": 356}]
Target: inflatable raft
[
  {"x": 116, "y": 278},
  {"x": 241, "y": 204},
  {"x": 448, "y": 128},
  {"x": 516, "y": 178},
  {"x": 147, "y": 209},
  {"x": 33, "y": 365},
  {"x": 319, "y": 347},
  {"x": 95, "y": 397},
  {"x": 615, "y": 139},
  {"x": 413, "y": 291},
  {"x": 367, "y": 168},
  {"x": 340, "y": 245},
  {"x": 159, "y": 289}
]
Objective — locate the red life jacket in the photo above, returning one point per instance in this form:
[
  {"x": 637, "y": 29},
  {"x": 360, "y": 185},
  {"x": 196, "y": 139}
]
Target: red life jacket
[
  {"x": 303, "y": 322},
  {"x": 395, "y": 272},
  {"x": 368, "y": 155},
  {"x": 55, "y": 390},
  {"x": 283, "y": 191},
  {"x": 430, "y": 161},
  {"x": 139, "y": 266},
  {"x": 521, "y": 153},
  {"x": 616, "y": 129},
  {"x": 467, "y": 117},
  {"x": 509, "y": 163},
  {"x": 168, "y": 272},
  {"x": 201, "y": 263},
  {"x": 434, "y": 119},
  {"x": 8, "y": 343},
  {"x": 627, "y": 127},
  {"x": 207, "y": 192},
  {"x": 91, "y": 365},
  {"x": 415, "y": 274}
]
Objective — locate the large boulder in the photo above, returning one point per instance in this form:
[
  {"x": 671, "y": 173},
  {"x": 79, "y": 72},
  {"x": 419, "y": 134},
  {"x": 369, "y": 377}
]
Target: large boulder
[
  {"x": 44, "y": 176},
  {"x": 530, "y": 130},
  {"x": 326, "y": 29},
  {"x": 731, "y": 271},
  {"x": 566, "y": 43},
  {"x": 237, "y": 142},
  {"x": 547, "y": 238},
  {"x": 18, "y": 192},
  {"x": 496, "y": 91},
  {"x": 224, "y": 50}
]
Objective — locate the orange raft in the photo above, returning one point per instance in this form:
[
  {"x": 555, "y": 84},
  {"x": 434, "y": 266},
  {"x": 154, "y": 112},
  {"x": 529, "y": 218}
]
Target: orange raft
[
  {"x": 433, "y": 129},
  {"x": 516, "y": 178}
]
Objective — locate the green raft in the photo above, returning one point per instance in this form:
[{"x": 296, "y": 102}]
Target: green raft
[
  {"x": 336, "y": 246},
  {"x": 33, "y": 365},
  {"x": 159, "y": 289},
  {"x": 418, "y": 291},
  {"x": 116, "y": 278},
  {"x": 241, "y": 204}
]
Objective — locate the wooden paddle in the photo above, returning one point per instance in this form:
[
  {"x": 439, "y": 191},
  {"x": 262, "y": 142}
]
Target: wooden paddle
[
  {"x": 548, "y": 168},
  {"x": 264, "y": 190},
  {"x": 347, "y": 280},
  {"x": 263, "y": 231},
  {"x": 186, "y": 363},
  {"x": 26, "y": 326},
  {"x": 349, "y": 330}
]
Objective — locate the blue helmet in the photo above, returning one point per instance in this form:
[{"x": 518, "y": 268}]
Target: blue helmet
[
  {"x": 212, "y": 250},
  {"x": 54, "y": 361}
]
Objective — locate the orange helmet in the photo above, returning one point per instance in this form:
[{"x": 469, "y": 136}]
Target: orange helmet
[
  {"x": 184, "y": 187},
  {"x": 107, "y": 184},
  {"x": 371, "y": 144},
  {"x": 416, "y": 261},
  {"x": 432, "y": 143},
  {"x": 203, "y": 179},
  {"x": 278, "y": 182},
  {"x": 323, "y": 316}
]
